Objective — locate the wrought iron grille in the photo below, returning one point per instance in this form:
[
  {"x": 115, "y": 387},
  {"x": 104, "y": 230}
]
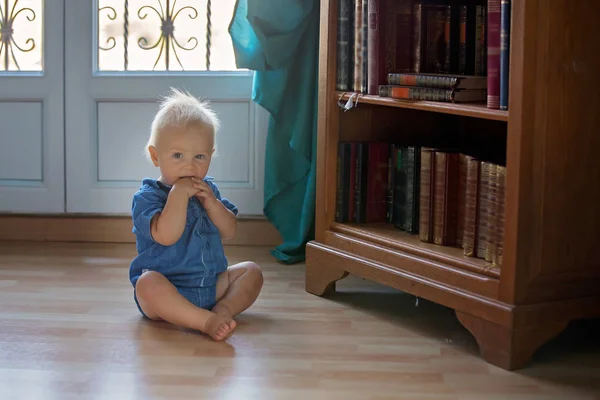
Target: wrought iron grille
[
  {"x": 20, "y": 52},
  {"x": 151, "y": 35}
]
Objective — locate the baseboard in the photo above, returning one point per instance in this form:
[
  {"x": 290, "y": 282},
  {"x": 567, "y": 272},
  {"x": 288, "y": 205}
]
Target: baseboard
[{"x": 112, "y": 229}]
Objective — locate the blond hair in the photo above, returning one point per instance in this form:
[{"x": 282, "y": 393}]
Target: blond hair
[{"x": 181, "y": 109}]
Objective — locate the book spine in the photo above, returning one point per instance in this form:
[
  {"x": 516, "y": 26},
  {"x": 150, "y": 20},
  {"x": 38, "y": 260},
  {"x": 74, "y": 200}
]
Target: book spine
[
  {"x": 501, "y": 192},
  {"x": 447, "y": 68},
  {"x": 416, "y": 93},
  {"x": 395, "y": 25},
  {"x": 469, "y": 242},
  {"x": 461, "y": 198},
  {"x": 418, "y": 33},
  {"x": 417, "y": 190},
  {"x": 364, "y": 86},
  {"x": 452, "y": 35},
  {"x": 434, "y": 38},
  {"x": 439, "y": 197},
  {"x": 462, "y": 52},
  {"x": 390, "y": 183},
  {"x": 451, "y": 200},
  {"x": 403, "y": 21},
  {"x": 445, "y": 199},
  {"x": 343, "y": 164},
  {"x": 383, "y": 46},
  {"x": 480, "y": 40},
  {"x": 376, "y": 174},
  {"x": 352, "y": 183},
  {"x": 493, "y": 54},
  {"x": 483, "y": 210},
  {"x": 471, "y": 39},
  {"x": 493, "y": 209},
  {"x": 504, "y": 53},
  {"x": 374, "y": 79},
  {"x": 431, "y": 81},
  {"x": 409, "y": 160},
  {"x": 358, "y": 46},
  {"x": 399, "y": 189},
  {"x": 343, "y": 46},
  {"x": 426, "y": 196},
  {"x": 360, "y": 185},
  {"x": 352, "y": 46}
]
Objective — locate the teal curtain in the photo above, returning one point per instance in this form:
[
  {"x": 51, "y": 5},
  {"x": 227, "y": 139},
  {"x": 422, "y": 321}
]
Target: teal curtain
[{"x": 279, "y": 39}]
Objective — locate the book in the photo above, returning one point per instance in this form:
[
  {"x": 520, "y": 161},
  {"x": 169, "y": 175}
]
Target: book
[
  {"x": 483, "y": 211},
  {"x": 359, "y": 58},
  {"x": 445, "y": 198},
  {"x": 493, "y": 54},
  {"x": 504, "y": 52},
  {"x": 406, "y": 188},
  {"x": 461, "y": 202},
  {"x": 446, "y": 81},
  {"x": 373, "y": 53},
  {"x": 344, "y": 43},
  {"x": 427, "y": 178},
  {"x": 431, "y": 94}
]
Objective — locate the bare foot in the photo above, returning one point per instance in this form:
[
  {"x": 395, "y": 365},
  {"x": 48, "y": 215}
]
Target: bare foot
[{"x": 219, "y": 327}]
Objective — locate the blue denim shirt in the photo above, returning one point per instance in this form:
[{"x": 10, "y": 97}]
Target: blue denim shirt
[{"x": 197, "y": 257}]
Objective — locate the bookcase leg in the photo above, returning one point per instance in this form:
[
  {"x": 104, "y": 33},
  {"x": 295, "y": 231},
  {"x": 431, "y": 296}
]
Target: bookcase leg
[
  {"x": 320, "y": 280},
  {"x": 506, "y": 348}
]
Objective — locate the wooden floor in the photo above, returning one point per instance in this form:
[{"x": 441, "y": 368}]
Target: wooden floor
[{"x": 69, "y": 328}]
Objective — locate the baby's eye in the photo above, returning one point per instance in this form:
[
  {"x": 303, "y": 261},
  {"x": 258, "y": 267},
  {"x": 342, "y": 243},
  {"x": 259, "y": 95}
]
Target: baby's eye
[
  {"x": 200, "y": 156},
  {"x": 177, "y": 155}
]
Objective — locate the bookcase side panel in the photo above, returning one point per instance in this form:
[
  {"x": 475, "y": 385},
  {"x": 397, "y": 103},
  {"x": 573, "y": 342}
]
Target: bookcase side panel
[
  {"x": 327, "y": 136},
  {"x": 553, "y": 196}
]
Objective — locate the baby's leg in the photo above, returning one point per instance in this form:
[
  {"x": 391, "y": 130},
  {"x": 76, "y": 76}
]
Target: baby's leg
[
  {"x": 159, "y": 299},
  {"x": 238, "y": 288}
]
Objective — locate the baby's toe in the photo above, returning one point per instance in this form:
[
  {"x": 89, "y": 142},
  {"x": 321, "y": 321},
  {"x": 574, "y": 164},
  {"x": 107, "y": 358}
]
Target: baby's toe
[
  {"x": 222, "y": 333},
  {"x": 224, "y": 329}
]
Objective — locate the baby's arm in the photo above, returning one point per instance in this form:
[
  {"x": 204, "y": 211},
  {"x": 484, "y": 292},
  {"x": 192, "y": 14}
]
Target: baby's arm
[
  {"x": 223, "y": 218},
  {"x": 168, "y": 225}
]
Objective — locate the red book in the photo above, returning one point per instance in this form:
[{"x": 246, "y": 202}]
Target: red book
[
  {"x": 377, "y": 180},
  {"x": 374, "y": 78},
  {"x": 351, "y": 203}
]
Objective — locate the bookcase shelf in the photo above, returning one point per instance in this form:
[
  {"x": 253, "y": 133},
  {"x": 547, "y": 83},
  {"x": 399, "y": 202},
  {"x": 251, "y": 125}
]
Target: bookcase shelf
[
  {"x": 387, "y": 235},
  {"x": 547, "y": 142},
  {"x": 475, "y": 110}
]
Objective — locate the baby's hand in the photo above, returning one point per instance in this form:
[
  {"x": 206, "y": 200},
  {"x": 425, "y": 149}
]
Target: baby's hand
[
  {"x": 205, "y": 194},
  {"x": 187, "y": 186}
]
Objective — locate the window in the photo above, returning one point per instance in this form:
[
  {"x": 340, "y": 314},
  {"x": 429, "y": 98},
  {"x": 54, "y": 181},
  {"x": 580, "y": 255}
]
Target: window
[
  {"x": 21, "y": 35},
  {"x": 164, "y": 35}
]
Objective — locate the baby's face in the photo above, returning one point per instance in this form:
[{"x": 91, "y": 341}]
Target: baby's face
[{"x": 183, "y": 152}]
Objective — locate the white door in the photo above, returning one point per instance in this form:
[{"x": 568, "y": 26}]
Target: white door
[
  {"x": 31, "y": 106},
  {"x": 121, "y": 55}
]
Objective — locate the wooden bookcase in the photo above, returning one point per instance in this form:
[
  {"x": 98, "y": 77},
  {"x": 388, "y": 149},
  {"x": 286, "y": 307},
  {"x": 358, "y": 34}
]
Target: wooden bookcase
[{"x": 550, "y": 138}]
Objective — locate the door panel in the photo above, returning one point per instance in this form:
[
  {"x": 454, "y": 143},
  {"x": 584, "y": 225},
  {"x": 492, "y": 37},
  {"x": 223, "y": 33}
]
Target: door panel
[
  {"x": 21, "y": 153},
  {"x": 31, "y": 107}
]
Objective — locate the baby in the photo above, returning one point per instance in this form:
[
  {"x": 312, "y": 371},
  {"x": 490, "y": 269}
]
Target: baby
[{"x": 180, "y": 274}]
